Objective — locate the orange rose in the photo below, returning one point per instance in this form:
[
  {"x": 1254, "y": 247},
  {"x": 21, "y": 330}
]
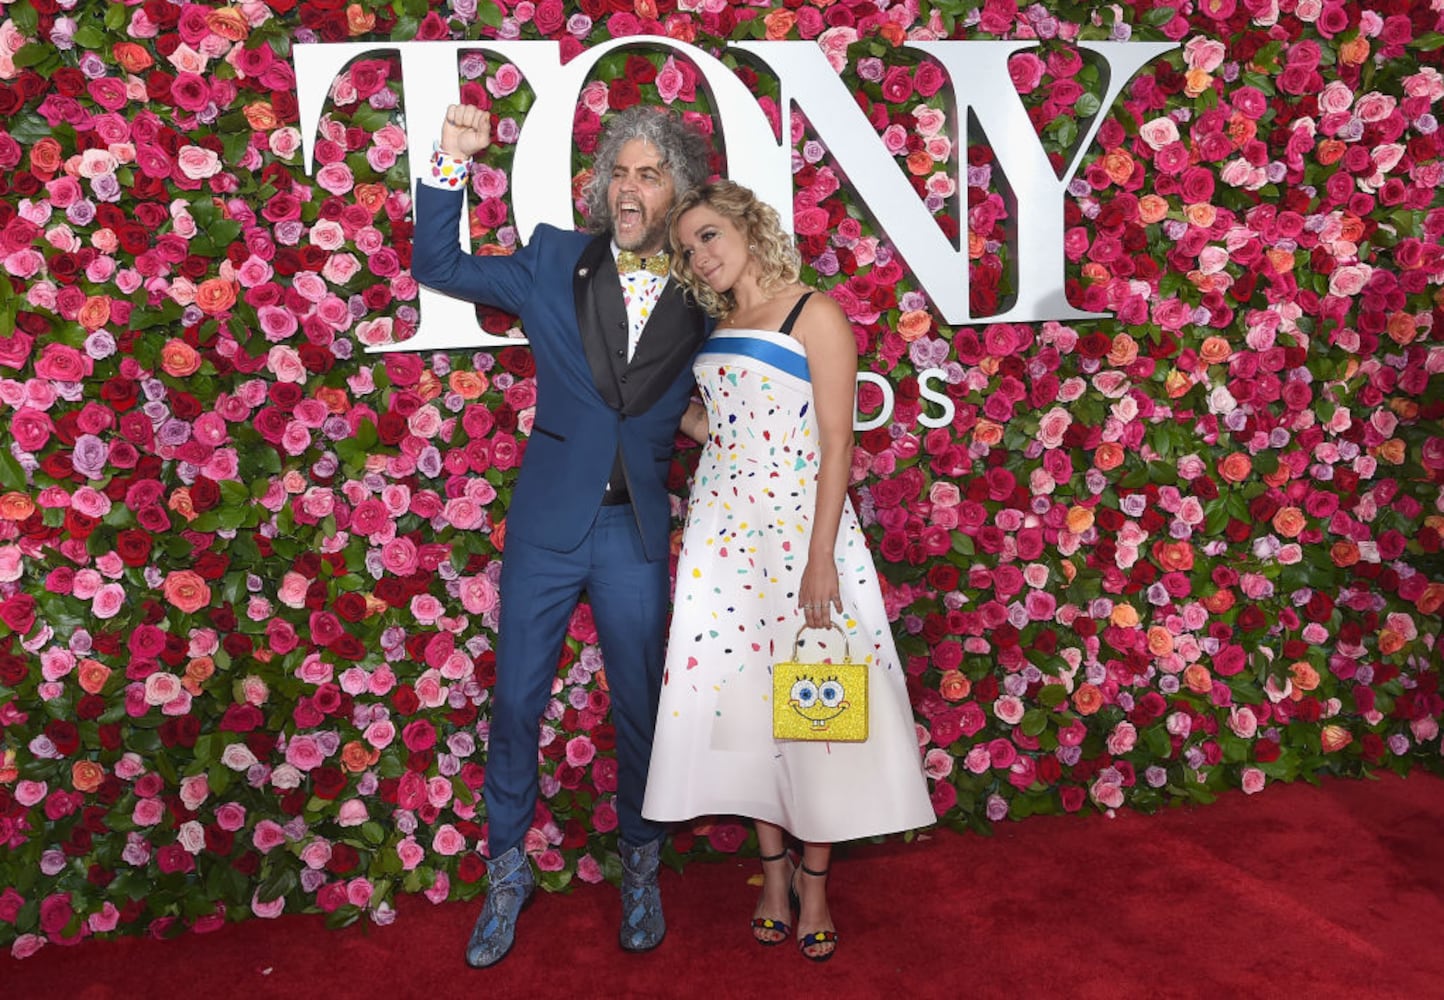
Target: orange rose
[
  {"x": 375, "y": 605},
  {"x": 1290, "y": 522},
  {"x": 92, "y": 675},
  {"x": 1123, "y": 352},
  {"x": 954, "y": 686},
  {"x": 356, "y": 756},
  {"x": 1405, "y": 409},
  {"x": 1197, "y": 678},
  {"x": 1080, "y": 519},
  {"x": 228, "y": 22},
  {"x": 1330, "y": 151},
  {"x": 16, "y": 506},
  {"x": 467, "y": 385},
  {"x": 1152, "y": 208},
  {"x": 198, "y": 671},
  {"x": 1344, "y": 553},
  {"x": 1391, "y": 451},
  {"x": 1278, "y": 477},
  {"x": 1432, "y": 599},
  {"x": 1235, "y": 468},
  {"x": 95, "y": 313},
  {"x": 261, "y": 116},
  {"x": 1351, "y": 228},
  {"x": 920, "y": 163},
  {"x": 186, "y": 590},
  {"x": 1087, "y": 699},
  {"x": 1215, "y": 350},
  {"x": 359, "y": 20},
  {"x": 1219, "y": 601},
  {"x": 1304, "y": 676},
  {"x": 1177, "y": 384},
  {"x": 216, "y": 295},
  {"x": 1160, "y": 641},
  {"x": 336, "y": 400},
  {"x": 429, "y": 386},
  {"x": 132, "y": 58},
  {"x": 913, "y": 324},
  {"x": 1281, "y": 261},
  {"x": 1173, "y": 556},
  {"x": 1354, "y": 52},
  {"x": 1241, "y": 129},
  {"x": 1118, "y": 165},
  {"x": 8, "y": 771},
  {"x": 779, "y": 24},
  {"x": 1108, "y": 455},
  {"x": 371, "y": 197},
  {"x": 1333, "y": 738},
  {"x": 1124, "y": 615},
  {"x": 498, "y": 535},
  {"x": 1069, "y": 571},
  {"x": 987, "y": 433},
  {"x": 180, "y": 502},
  {"x": 1402, "y": 329},
  {"x": 86, "y": 775},
  {"x": 1196, "y": 81},
  {"x": 179, "y": 358},
  {"x": 1390, "y": 642},
  {"x": 1201, "y": 214},
  {"x": 45, "y": 157},
  {"x": 977, "y": 246}
]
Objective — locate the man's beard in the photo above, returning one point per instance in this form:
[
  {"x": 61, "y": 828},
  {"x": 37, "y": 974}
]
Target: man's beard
[{"x": 653, "y": 236}]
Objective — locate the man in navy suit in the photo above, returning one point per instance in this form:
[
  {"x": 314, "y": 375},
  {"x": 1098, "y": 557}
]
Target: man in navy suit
[{"x": 613, "y": 341}]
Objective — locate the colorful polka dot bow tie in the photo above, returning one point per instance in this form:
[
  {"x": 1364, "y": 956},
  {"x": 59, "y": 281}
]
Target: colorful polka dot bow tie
[{"x": 657, "y": 264}]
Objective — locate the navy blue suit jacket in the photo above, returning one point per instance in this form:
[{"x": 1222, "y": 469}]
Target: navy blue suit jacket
[{"x": 564, "y": 287}]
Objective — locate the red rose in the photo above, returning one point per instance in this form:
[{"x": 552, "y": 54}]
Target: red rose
[{"x": 327, "y": 782}]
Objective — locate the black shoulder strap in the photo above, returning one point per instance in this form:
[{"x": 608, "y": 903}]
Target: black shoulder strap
[{"x": 786, "y": 328}]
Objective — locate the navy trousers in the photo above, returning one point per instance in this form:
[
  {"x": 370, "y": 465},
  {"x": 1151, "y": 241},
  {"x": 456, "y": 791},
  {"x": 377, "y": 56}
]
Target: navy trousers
[{"x": 539, "y": 590}]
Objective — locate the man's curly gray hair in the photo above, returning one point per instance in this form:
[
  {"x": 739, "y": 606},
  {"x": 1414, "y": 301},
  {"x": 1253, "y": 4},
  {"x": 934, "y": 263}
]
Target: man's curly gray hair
[{"x": 686, "y": 152}]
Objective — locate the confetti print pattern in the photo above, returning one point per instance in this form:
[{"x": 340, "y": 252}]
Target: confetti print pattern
[{"x": 749, "y": 521}]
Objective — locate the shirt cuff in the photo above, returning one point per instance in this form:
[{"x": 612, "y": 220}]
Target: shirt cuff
[{"x": 447, "y": 172}]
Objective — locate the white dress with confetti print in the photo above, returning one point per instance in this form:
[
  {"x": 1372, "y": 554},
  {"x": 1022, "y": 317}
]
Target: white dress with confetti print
[{"x": 735, "y": 614}]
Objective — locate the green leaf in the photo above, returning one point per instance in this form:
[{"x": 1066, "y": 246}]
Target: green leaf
[
  {"x": 12, "y": 476},
  {"x": 26, "y": 19},
  {"x": 88, "y": 36},
  {"x": 1427, "y": 42},
  {"x": 489, "y": 14}
]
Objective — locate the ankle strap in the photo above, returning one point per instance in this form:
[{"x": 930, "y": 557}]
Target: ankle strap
[
  {"x": 773, "y": 857},
  {"x": 808, "y": 871}
]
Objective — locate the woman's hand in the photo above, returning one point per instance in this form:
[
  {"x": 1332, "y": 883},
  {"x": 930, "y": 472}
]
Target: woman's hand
[
  {"x": 819, "y": 595},
  {"x": 465, "y": 131}
]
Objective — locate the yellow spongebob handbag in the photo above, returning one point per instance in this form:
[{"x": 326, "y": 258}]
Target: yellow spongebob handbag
[{"x": 820, "y": 701}]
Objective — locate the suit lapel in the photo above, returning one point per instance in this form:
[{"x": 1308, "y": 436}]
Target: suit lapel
[{"x": 601, "y": 317}]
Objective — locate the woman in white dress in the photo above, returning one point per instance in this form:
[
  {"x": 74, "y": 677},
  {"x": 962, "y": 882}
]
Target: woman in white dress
[{"x": 772, "y": 543}]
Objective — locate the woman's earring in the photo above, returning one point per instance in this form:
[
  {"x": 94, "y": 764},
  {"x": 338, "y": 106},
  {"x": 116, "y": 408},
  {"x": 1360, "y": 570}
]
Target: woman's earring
[{"x": 752, "y": 248}]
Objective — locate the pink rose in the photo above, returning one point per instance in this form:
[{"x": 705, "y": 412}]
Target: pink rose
[{"x": 448, "y": 841}]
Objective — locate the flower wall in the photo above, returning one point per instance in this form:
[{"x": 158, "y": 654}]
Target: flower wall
[{"x": 248, "y": 570}]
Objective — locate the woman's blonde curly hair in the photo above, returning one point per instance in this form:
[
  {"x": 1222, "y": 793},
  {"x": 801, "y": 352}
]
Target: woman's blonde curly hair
[{"x": 776, "y": 255}]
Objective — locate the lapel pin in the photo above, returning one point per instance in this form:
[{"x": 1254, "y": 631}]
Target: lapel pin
[{"x": 581, "y": 272}]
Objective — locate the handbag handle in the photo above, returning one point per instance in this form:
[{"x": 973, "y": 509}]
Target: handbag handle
[{"x": 846, "y": 645}]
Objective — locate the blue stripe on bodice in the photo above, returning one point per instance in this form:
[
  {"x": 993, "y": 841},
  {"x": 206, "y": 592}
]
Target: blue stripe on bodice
[{"x": 765, "y": 351}]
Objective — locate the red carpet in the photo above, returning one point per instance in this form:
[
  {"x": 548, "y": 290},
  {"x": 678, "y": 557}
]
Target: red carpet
[{"x": 1303, "y": 891}]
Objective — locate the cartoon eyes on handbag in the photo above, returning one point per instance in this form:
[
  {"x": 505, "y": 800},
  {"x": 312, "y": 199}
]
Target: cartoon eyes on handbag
[{"x": 818, "y": 701}]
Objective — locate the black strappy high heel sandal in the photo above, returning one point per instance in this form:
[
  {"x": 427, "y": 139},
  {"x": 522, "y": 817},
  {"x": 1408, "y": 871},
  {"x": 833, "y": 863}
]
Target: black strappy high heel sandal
[
  {"x": 815, "y": 939},
  {"x": 767, "y": 925}
]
